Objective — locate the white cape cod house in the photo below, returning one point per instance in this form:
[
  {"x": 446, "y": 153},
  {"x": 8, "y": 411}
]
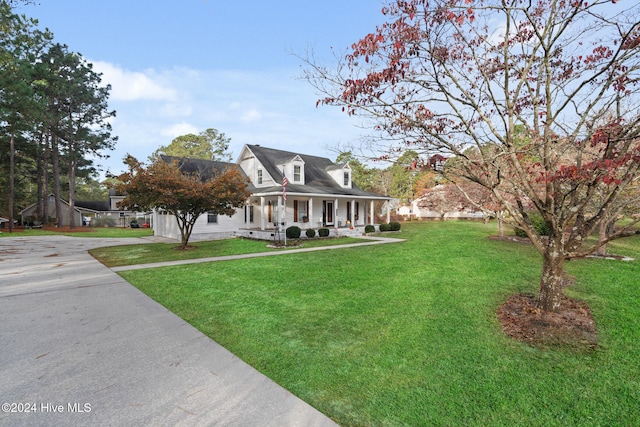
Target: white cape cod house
[{"x": 319, "y": 193}]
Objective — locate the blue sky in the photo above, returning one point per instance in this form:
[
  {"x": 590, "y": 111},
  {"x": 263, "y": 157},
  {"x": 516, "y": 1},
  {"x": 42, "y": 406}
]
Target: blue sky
[{"x": 182, "y": 67}]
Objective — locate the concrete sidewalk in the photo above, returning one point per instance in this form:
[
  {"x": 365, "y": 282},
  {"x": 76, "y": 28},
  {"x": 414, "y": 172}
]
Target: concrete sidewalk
[
  {"x": 81, "y": 346},
  {"x": 366, "y": 240}
]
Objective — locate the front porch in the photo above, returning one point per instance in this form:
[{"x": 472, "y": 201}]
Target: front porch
[{"x": 337, "y": 214}]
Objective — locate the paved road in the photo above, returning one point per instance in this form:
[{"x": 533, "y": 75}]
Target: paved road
[{"x": 81, "y": 346}]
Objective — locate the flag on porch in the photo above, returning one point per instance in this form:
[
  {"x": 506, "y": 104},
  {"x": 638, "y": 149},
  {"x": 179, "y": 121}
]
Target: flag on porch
[{"x": 284, "y": 186}]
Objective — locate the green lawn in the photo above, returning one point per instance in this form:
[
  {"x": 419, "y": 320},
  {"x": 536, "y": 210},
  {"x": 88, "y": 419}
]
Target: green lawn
[
  {"x": 115, "y": 256},
  {"x": 406, "y": 334},
  {"x": 95, "y": 232}
]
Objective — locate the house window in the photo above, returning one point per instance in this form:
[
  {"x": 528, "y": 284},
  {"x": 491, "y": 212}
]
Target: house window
[
  {"x": 296, "y": 173},
  {"x": 300, "y": 209},
  {"x": 346, "y": 179},
  {"x": 212, "y": 218},
  {"x": 259, "y": 176}
]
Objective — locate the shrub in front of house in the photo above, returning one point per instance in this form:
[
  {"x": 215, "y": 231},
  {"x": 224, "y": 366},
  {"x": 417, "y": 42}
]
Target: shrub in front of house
[
  {"x": 310, "y": 232},
  {"x": 385, "y": 227},
  {"x": 293, "y": 232},
  {"x": 369, "y": 228},
  {"x": 394, "y": 226},
  {"x": 323, "y": 232}
]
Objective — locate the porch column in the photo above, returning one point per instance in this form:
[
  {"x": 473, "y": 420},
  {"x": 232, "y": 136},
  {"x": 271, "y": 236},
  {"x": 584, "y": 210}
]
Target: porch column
[
  {"x": 371, "y": 221},
  {"x": 262, "y": 215},
  {"x": 389, "y": 213},
  {"x": 335, "y": 213},
  {"x": 353, "y": 212},
  {"x": 310, "y": 213}
]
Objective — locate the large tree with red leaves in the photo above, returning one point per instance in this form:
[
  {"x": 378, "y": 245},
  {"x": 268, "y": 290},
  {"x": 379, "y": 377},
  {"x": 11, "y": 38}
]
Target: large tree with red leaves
[
  {"x": 544, "y": 91},
  {"x": 184, "y": 188}
]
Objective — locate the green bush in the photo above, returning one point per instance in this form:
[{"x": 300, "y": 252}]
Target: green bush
[
  {"x": 395, "y": 226},
  {"x": 385, "y": 227},
  {"x": 369, "y": 229},
  {"x": 323, "y": 232},
  {"x": 293, "y": 232},
  {"x": 538, "y": 223},
  {"x": 310, "y": 232}
]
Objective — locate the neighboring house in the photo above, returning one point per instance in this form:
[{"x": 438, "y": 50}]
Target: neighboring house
[
  {"x": 86, "y": 212},
  {"x": 319, "y": 193},
  {"x": 4, "y": 222},
  {"x": 30, "y": 213},
  {"x": 417, "y": 211},
  {"x": 102, "y": 212}
]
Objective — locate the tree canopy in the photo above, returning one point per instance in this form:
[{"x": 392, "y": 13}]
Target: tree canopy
[
  {"x": 174, "y": 186},
  {"x": 207, "y": 145},
  {"x": 546, "y": 91},
  {"x": 53, "y": 114}
]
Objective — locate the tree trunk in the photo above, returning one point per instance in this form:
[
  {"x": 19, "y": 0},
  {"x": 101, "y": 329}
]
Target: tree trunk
[
  {"x": 72, "y": 190},
  {"x": 552, "y": 279},
  {"x": 39, "y": 189},
  {"x": 45, "y": 183},
  {"x": 500, "y": 224},
  {"x": 602, "y": 235},
  {"x": 185, "y": 224},
  {"x": 605, "y": 229},
  {"x": 55, "y": 162},
  {"x": 11, "y": 181}
]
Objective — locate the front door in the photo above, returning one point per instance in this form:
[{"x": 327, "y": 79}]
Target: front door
[{"x": 329, "y": 213}]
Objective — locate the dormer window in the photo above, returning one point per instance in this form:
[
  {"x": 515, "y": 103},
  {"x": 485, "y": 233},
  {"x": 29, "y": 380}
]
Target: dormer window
[
  {"x": 346, "y": 178},
  {"x": 259, "y": 176},
  {"x": 297, "y": 167}
]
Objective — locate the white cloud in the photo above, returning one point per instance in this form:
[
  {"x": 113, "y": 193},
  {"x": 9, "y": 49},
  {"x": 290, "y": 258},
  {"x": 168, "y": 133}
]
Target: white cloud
[
  {"x": 132, "y": 85},
  {"x": 265, "y": 107},
  {"x": 179, "y": 129}
]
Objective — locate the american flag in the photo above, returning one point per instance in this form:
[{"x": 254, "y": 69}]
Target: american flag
[{"x": 284, "y": 186}]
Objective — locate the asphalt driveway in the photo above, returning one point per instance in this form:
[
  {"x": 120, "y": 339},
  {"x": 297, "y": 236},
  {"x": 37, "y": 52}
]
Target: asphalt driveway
[{"x": 81, "y": 346}]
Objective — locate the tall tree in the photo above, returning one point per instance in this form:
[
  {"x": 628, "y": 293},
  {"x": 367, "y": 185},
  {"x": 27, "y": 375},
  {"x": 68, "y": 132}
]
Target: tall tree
[
  {"x": 207, "y": 145},
  {"x": 77, "y": 116},
  {"x": 174, "y": 186},
  {"x": 87, "y": 130},
  {"x": 19, "y": 46},
  {"x": 445, "y": 75}
]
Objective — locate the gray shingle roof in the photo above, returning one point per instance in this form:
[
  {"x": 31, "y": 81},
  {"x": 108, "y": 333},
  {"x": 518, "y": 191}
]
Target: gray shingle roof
[
  {"x": 317, "y": 179},
  {"x": 205, "y": 169},
  {"x": 94, "y": 205}
]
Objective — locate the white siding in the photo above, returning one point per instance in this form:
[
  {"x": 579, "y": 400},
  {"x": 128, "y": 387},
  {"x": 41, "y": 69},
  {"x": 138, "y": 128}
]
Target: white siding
[{"x": 167, "y": 226}]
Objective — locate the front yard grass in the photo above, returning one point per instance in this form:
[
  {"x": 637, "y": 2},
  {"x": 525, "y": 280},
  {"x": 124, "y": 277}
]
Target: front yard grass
[
  {"x": 104, "y": 232},
  {"x": 406, "y": 334},
  {"x": 116, "y": 256}
]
